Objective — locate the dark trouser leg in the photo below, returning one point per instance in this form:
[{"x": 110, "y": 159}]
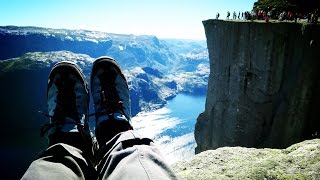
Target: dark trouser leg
[
  {"x": 130, "y": 156},
  {"x": 61, "y": 161},
  {"x": 68, "y": 130}
]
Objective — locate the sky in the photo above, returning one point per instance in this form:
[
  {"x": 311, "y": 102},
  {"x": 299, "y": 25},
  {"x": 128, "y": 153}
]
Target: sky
[{"x": 180, "y": 19}]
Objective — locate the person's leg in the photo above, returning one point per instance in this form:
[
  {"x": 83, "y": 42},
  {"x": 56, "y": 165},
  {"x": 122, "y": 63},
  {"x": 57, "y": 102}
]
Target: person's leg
[
  {"x": 123, "y": 154},
  {"x": 68, "y": 132},
  {"x": 131, "y": 156},
  {"x": 61, "y": 161}
]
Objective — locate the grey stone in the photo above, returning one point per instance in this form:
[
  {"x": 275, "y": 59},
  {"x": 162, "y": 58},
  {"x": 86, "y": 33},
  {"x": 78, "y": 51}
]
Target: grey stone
[
  {"x": 264, "y": 85},
  {"x": 299, "y": 161}
]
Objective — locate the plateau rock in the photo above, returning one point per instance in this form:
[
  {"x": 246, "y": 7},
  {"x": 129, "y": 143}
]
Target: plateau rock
[{"x": 264, "y": 85}]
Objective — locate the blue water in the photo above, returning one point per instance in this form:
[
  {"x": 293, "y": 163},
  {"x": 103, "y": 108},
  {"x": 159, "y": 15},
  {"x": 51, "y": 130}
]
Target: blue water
[{"x": 187, "y": 108}]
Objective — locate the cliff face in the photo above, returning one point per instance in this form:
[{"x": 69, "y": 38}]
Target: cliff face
[{"x": 264, "y": 85}]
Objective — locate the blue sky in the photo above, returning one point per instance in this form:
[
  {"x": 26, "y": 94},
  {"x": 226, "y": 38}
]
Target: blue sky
[{"x": 163, "y": 18}]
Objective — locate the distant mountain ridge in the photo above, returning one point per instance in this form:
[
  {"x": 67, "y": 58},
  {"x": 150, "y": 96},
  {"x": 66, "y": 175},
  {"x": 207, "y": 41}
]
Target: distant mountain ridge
[
  {"x": 167, "y": 67},
  {"x": 129, "y": 50}
]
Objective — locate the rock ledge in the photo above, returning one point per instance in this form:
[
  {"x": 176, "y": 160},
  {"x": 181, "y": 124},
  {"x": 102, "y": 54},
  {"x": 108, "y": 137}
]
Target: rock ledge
[{"x": 299, "y": 161}]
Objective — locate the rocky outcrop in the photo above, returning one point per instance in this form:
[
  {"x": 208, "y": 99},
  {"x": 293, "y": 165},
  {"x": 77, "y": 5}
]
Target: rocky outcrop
[
  {"x": 299, "y": 161},
  {"x": 264, "y": 85},
  {"x": 149, "y": 89}
]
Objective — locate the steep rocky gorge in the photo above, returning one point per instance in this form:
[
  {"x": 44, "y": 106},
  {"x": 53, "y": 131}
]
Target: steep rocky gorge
[{"x": 264, "y": 85}]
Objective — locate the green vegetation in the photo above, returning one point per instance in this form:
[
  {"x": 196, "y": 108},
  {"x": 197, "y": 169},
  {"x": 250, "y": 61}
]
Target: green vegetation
[{"x": 277, "y": 6}]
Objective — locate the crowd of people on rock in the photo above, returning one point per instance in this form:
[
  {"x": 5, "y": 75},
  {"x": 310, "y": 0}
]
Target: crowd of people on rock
[
  {"x": 311, "y": 17},
  {"x": 235, "y": 15}
]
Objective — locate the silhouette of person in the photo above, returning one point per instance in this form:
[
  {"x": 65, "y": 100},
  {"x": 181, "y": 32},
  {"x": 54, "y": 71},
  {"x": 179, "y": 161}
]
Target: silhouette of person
[
  {"x": 117, "y": 152},
  {"x": 315, "y": 16}
]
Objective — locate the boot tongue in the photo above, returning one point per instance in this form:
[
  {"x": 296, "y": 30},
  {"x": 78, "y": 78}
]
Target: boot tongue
[{"x": 111, "y": 116}]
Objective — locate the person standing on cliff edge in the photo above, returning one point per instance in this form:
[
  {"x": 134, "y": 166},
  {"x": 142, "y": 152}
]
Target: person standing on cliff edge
[
  {"x": 315, "y": 16},
  {"x": 119, "y": 152}
]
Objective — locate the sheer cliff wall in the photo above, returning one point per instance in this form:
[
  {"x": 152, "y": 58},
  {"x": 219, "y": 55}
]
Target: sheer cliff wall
[{"x": 264, "y": 85}]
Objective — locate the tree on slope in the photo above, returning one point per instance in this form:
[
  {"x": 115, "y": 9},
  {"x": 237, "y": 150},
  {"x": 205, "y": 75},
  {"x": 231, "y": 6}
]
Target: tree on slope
[{"x": 277, "y": 6}]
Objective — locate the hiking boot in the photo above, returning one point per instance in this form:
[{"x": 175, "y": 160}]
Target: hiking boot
[
  {"x": 68, "y": 106},
  {"x": 111, "y": 97}
]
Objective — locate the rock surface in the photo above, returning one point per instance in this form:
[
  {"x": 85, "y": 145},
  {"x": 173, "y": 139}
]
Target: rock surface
[
  {"x": 299, "y": 161},
  {"x": 264, "y": 85}
]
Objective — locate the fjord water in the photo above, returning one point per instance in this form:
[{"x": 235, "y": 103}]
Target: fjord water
[
  {"x": 187, "y": 108},
  {"x": 172, "y": 127}
]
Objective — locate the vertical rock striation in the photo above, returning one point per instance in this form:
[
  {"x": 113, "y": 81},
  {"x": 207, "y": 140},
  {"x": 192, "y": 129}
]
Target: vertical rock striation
[{"x": 264, "y": 85}]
